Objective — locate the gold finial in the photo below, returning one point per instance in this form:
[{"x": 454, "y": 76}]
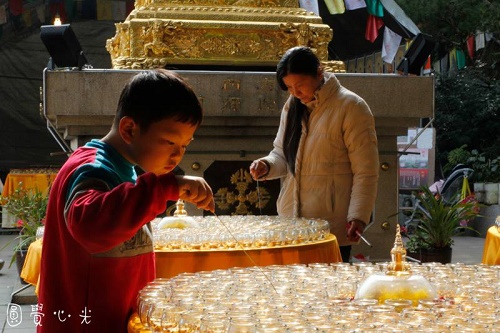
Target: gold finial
[
  {"x": 179, "y": 208},
  {"x": 398, "y": 265}
]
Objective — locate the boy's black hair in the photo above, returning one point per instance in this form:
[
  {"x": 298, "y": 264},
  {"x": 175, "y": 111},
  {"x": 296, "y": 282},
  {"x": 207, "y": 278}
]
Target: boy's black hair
[
  {"x": 297, "y": 60},
  {"x": 158, "y": 94}
]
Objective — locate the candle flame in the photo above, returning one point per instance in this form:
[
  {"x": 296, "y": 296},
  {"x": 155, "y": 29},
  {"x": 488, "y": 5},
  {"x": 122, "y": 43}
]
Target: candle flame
[{"x": 57, "y": 20}]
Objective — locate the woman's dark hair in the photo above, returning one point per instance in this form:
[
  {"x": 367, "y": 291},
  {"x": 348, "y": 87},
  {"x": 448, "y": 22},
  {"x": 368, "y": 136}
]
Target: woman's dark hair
[
  {"x": 154, "y": 95},
  {"x": 297, "y": 60}
]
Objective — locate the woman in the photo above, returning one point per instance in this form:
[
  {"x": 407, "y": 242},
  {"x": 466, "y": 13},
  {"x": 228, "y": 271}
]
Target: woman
[{"x": 326, "y": 148}]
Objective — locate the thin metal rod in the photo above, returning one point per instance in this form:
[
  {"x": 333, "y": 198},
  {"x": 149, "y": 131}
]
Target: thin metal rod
[
  {"x": 403, "y": 152},
  {"x": 258, "y": 197},
  {"x": 246, "y": 253},
  {"x": 363, "y": 239},
  {"x": 413, "y": 259}
]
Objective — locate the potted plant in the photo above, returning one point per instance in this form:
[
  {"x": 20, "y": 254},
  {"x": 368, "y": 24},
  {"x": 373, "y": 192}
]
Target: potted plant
[
  {"x": 486, "y": 172},
  {"x": 29, "y": 206},
  {"x": 435, "y": 223}
]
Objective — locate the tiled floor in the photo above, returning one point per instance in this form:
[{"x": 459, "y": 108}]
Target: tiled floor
[
  {"x": 13, "y": 318},
  {"x": 20, "y": 319}
]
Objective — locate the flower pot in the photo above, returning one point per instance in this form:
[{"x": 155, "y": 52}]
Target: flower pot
[
  {"x": 20, "y": 257},
  {"x": 491, "y": 193},
  {"x": 479, "y": 191},
  {"x": 442, "y": 255}
]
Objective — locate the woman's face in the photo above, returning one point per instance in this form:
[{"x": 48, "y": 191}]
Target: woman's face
[{"x": 303, "y": 86}]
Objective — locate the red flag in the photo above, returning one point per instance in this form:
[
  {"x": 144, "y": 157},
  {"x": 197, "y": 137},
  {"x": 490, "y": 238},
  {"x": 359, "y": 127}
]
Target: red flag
[
  {"x": 373, "y": 24},
  {"x": 16, "y": 7},
  {"x": 470, "y": 45}
]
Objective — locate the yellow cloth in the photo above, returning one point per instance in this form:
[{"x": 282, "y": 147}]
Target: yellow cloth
[
  {"x": 31, "y": 268},
  {"x": 172, "y": 263},
  {"x": 41, "y": 181},
  {"x": 491, "y": 252}
]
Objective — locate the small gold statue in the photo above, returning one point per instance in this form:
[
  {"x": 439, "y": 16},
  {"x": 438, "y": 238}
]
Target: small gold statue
[
  {"x": 179, "y": 208},
  {"x": 398, "y": 265}
]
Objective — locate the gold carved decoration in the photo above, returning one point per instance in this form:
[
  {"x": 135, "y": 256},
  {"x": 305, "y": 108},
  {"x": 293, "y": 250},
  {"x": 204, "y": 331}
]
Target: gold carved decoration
[
  {"x": 241, "y": 195},
  {"x": 334, "y": 66},
  {"x": 159, "y": 33},
  {"x": 154, "y": 37},
  {"x": 215, "y": 3}
]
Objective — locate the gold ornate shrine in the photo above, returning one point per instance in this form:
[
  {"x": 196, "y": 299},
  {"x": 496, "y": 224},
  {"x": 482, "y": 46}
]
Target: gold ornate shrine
[{"x": 160, "y": 33}]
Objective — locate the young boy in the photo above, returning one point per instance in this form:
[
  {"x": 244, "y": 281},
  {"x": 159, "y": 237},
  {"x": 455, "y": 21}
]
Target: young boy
[{"x": 97, "y": 247}]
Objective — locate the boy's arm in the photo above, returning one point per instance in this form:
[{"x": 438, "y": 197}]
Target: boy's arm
[{"x": 100, "y": 218}]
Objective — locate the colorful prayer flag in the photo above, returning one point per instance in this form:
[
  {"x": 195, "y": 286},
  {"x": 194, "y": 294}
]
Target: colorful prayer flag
[
  {"x": 16, "y": 7},
  {"x": 444, "y": 64},
  {"x": 453, "y": 60},
  {"x": 437, "y": 66},
  {"x": 104, "y": 10},
  {"x": 40, "y": 12},
  {"x": 310, "y": 5},
  {"x": 427, "y": 66},
  {"x": 480, "y": 41},
  {"x": 335, "y": 6},
  {"x": 460, "y": 59},
  {"x": 27, "y": 18},
  {"x": 390, "y": 45},
  {"x": 70, "y": 6},
  {"x": 3, "y": 15},
  {"x": 354, "y": 4},
  {"x": 373, "y": 24},
  {"x": 470, "y": 46},
  {"x": 375, "y": 8}
]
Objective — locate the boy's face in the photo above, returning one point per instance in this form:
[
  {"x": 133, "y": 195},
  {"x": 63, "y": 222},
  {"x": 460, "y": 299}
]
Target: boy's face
[{"x": 161, "y": 148}]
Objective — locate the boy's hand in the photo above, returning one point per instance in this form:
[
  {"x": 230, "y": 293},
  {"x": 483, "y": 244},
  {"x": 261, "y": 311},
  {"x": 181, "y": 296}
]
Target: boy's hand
[{"x": 197, "y": 191}]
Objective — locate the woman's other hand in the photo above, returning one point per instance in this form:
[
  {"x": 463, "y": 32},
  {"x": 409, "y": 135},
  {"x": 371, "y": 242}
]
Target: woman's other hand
[{"x": 353, "y": 228}]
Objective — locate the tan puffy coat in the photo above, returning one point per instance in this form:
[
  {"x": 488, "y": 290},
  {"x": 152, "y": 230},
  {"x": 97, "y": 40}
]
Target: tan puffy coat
[{"x": 337, "y": 161}]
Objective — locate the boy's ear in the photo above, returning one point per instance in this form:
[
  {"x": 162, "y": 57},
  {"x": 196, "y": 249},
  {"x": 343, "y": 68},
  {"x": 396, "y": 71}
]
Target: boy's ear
[{"x": 128, "y": 129}]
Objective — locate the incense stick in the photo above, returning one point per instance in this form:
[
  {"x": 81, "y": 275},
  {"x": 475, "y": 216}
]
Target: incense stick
[{"x": 364, "y": 239}]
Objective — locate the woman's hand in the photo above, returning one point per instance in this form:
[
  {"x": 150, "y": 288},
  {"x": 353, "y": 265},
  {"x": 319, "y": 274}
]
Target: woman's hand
[
  {"x": 197, "y": 191},
  {"x": 353, "y": 228},
  {"x": 259, "y": 169}
]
